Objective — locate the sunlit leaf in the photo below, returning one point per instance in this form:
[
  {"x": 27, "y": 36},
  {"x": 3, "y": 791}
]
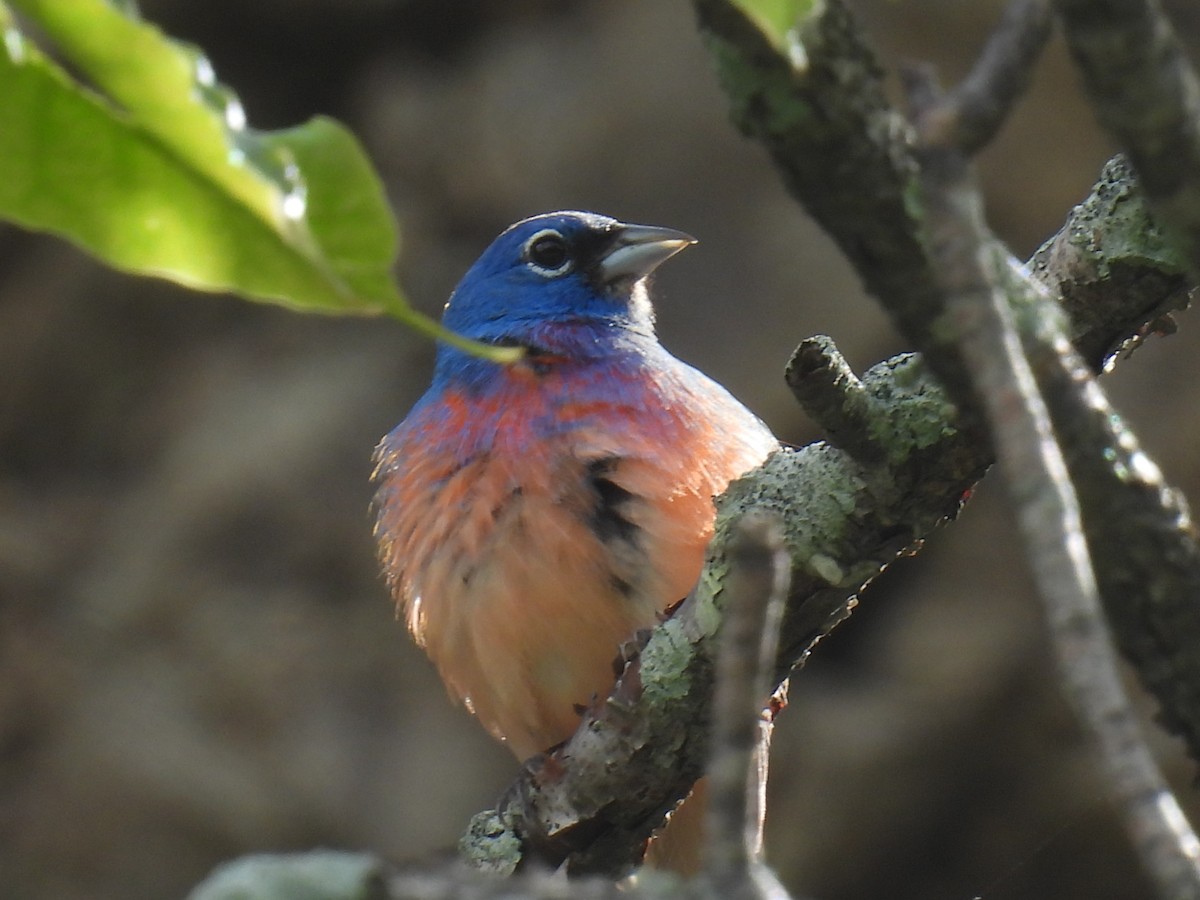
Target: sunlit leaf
[
  {"x": 776, "y": 18},
  {"x": 151, "y": 166}
]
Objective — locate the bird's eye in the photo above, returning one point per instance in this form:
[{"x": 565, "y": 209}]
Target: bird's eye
[{"x": 548, "y": 254}]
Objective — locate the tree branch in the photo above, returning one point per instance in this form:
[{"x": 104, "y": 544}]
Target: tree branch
[
  {"x": 1108, "y": 253},
  {"x": 971, "y": 114},
  {"x": 842, "y": 150},
  {"x": 758, "y": 587},
  {"x": 834, "y": 397},
  {"x": 1145, "y": 92},
  {"x": 975, "y": 270},
  {"x": 1118, "y": 277}
]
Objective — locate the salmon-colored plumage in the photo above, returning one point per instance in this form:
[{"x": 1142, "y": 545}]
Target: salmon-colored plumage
[
  {"x": 533, "y": 516},
  {"x": 486, "y": 527}
]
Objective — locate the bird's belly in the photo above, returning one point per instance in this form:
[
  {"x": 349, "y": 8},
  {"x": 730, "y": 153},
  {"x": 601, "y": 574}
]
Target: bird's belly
[
  {"x": 522, "y": 594},
  {"x": 525, "y": 541}
]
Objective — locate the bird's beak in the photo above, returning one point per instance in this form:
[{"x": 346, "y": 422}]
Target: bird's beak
[{"x": 637, "y": 250}]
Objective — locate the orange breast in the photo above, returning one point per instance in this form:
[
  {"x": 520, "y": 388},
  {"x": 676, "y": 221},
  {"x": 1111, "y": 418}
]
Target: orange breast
[{"x": 522, "y": 559}]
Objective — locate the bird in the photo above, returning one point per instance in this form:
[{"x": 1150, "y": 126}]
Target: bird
[{"x": 532, "y": 516}]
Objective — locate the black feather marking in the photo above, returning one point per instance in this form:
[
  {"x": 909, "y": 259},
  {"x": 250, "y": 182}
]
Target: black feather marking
[
  {"x": 609, "y": 519},
  {"x": 622, "y": 586}
]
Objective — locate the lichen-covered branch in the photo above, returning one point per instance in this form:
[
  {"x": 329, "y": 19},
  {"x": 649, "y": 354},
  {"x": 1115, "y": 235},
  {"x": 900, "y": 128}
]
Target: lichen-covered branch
[
  {"x": 833, "y": 396},
  {"x": 1146, "y": 93},
  {"x": 1109, "y": 261},
  {"x": 843, "y": 151},
  {"x": 846, "y": 155}
]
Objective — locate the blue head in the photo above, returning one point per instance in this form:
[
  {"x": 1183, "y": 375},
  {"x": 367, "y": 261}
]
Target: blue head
[{"x": 554, "y": 270}]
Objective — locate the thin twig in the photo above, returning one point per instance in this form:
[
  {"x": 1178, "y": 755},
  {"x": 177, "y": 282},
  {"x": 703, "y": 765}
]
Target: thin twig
[
  {"x": 973, "y": 267},
  {"x": 1144, "y": 545},
  {"x": 758, "y": 586},
  {"x": 972, "y": 113}
]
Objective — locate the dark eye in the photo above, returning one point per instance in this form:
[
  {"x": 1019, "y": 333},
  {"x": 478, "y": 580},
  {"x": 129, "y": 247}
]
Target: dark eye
[{"x": 548, "y": 253}]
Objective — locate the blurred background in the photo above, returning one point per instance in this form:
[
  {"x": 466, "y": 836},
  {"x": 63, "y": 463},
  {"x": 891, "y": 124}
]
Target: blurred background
[{"x": 197, "y": 656}]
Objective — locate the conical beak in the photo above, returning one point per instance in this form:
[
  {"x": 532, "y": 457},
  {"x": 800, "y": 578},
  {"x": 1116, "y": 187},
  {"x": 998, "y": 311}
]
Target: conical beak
[{"x": 637, "y": 250}]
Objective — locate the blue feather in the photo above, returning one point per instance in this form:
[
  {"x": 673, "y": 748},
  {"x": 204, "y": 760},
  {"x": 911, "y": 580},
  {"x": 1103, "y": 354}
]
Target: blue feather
[{"x": 507, "y": 298}]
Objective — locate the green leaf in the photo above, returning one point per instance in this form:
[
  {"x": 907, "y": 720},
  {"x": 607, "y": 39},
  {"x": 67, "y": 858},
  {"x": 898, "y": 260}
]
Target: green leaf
[
  {"x": 777, "y": 18},
  {"x": 152, "y": 168}
]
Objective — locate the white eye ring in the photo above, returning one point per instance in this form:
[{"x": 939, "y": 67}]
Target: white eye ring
[{"x": 545, "y": 266}]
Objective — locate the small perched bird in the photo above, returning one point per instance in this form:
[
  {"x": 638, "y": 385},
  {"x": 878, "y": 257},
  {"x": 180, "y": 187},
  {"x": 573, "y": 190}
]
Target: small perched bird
[{"x": 532, "y": 516}]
